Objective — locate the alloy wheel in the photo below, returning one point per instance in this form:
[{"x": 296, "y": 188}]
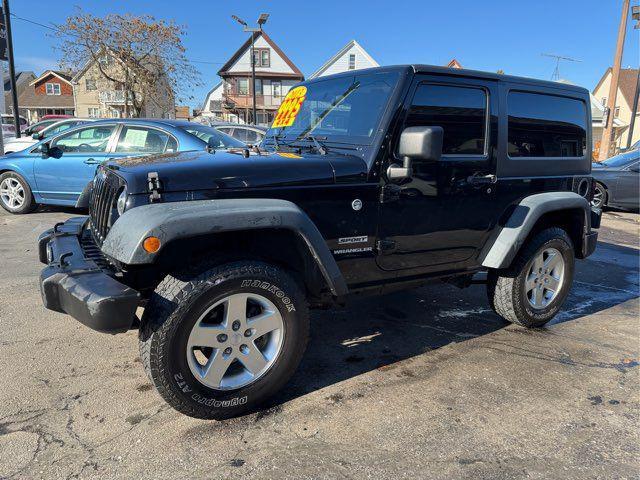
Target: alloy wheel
[
  {"x": 235, "y": 341},
  {"x": 12, "y": 193},
  {"x": 544, "y": 278},
  {"x": 598, "y": 197}
]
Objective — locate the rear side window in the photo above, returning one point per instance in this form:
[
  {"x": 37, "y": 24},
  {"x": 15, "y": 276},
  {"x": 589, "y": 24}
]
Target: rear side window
[
  {"x": 460, "y": 111},
  {"x": 546, "y": 126}
]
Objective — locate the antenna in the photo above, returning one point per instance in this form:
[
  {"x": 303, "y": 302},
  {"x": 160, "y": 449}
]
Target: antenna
[{"x": 556, "y": 72}]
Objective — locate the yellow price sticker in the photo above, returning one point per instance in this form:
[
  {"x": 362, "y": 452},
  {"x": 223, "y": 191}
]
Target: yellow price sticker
[{"x": 290, "y": 107}]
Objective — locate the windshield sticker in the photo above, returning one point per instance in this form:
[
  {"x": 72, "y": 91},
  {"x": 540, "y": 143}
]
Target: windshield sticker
[
  {"x": 288, "y": 155},
  {"x": 290, "y": 107}
]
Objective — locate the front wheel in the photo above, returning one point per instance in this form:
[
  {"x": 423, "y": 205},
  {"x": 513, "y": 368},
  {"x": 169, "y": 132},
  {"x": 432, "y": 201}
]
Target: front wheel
[
  {"x": 219, "y": 341},
  {"x": 15, "y": 193},
  {"x": 532, "y": 290}
]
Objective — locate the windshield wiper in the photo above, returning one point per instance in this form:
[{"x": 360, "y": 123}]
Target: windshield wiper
[{"x": 322, "y": 150}]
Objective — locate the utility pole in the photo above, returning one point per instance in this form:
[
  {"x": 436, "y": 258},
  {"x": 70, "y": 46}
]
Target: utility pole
[
  {"x": 634, "y": 111},
  {"x": 607, "y": 132},
  {"x": 12, "y": 69},
  {"x": 261, "y": 21},
  {"x": 635, "y": 14}
]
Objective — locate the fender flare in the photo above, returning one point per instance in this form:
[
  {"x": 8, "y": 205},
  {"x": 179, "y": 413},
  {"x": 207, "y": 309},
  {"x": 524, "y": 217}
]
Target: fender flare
[
  {"x": 177, "y": 220},
  {"x": 502, "y": 249}
]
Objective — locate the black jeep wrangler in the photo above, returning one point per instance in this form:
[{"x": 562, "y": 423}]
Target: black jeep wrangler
[{"x": 367, "y": 182}]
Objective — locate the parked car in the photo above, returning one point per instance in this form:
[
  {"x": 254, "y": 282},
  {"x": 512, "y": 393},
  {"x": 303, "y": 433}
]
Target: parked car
[
  {"x": 229, "y": 251},
  {"x": 618, "y": 181},
  {"x": 248, "y": 134},
  {"x": 9, "y": 127},
  {"x": 36, "y": 127},
  {"x": 55, "y": 170},
  {"x": 54, "y": 128},
  {"x": 55, "y": 117}
]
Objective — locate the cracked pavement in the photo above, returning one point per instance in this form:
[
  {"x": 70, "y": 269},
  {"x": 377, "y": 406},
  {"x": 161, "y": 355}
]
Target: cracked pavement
[{"x": 427, "y": 383}]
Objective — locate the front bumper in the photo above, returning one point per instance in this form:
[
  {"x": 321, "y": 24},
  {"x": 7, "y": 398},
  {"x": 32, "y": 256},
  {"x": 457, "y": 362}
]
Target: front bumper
[{"x": 73, "y": 284}]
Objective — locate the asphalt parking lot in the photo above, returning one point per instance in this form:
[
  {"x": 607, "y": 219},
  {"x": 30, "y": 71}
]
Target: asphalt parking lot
[{"x": 420, "y": 384}]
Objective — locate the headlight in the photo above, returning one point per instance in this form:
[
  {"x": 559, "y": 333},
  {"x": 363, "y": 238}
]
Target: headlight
[{"x": 121, "y": 203}]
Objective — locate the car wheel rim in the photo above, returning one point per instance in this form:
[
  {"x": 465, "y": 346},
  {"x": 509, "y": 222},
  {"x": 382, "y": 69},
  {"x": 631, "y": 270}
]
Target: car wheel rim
[
  {"x": 545, "y": 278},
  {"x": 235, "y": 341},
  {"x": 598, "y": 197},
  {"x": 12, "y": 193}
]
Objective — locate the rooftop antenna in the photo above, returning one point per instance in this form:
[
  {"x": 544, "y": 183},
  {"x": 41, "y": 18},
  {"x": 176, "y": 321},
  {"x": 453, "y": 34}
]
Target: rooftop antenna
[{"x": 556, "y": 71}]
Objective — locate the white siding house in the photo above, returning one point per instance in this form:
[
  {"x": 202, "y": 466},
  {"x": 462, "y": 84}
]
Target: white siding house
[
  {"x": 275, "y": 74},
  {"x": 350, "y": 57}
]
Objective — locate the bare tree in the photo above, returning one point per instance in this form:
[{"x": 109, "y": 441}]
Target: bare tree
[{"x": 149, "y": 63}]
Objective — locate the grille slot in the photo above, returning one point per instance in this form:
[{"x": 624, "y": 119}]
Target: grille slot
[
  {"x": 106, "y": 186},
  {"x": 91, "y": 251}
]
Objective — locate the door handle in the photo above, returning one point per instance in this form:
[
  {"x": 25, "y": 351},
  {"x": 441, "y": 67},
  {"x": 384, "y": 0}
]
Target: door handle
[
  {"x": 482, "y": 179},
  {"x": 91, "y": 161}
]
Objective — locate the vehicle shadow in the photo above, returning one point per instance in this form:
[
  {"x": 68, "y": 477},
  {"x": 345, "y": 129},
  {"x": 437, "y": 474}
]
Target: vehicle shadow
[
  {"x": 60, "y": 209},
  {"x": 376, "y": 332}
]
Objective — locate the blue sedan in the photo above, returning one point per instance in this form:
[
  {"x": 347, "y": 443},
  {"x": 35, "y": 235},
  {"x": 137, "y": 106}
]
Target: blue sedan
[{"x": 56, "y": 170}]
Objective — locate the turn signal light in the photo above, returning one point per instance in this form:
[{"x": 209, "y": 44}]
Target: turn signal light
[{"x": 151, "y": 244}]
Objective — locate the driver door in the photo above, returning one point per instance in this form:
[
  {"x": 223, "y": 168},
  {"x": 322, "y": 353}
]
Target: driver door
[{"x": 79, "y": 152}]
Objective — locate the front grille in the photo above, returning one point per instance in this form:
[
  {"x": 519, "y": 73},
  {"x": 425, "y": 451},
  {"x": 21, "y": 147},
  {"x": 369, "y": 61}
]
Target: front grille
[
  {"x": 91, "y": 251},
  {"x": 106, "y": 186}
]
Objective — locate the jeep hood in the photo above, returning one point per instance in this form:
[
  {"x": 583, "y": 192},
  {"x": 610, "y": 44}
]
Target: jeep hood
[{"x": 187, "y": 171}]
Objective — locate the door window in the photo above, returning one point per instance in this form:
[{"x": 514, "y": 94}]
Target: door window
[
  {"x": 144, "y": 140},
  {"x": 460, "y": 111},
  {"x": 90, "y": 139}
]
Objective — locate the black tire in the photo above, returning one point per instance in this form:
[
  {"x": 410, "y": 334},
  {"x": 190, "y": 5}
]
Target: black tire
[
  {"x": 29, "y": 203},
  {"x": 506, "y": 288},
  {"x": 603, "y": 198},
  {"x": 174, "y": 308}
]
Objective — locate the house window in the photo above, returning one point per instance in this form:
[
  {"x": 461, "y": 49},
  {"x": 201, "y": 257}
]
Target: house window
[
  {"x": 53, "y": 88},
  {"x": 262, "y": 57},
  {"x": 90, "y": 84},
  {"x": 243, "y": 86},
  {"x": 616, "y": 112},
  {"x": 277, "y": 88},
  {"x": 352, "y": 61},
  {"x": 94, "y": 112},
  {"x": 604, "y": 101},
  {"x": 258, "y": 86}
]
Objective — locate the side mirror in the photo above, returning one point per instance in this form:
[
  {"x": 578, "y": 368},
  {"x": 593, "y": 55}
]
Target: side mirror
[
  {"x": 212, "y": 144},
  {"x": 37, "y": 136},
  {"x": 45, "y": 149},
  {"x": 635, "y": 168},
  {"x": 417, "y": 143}
]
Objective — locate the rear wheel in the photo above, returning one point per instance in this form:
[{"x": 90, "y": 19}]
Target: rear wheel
[
  {"x": 533, "y": 289},
  {"x": 15, "y": 193},
  {"x": 219, "y": 341}
]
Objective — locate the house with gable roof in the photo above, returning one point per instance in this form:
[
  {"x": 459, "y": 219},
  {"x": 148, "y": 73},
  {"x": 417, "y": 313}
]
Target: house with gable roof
[
  {"x": 275, "y": 75},
  {"x": 350, "y": 57}
]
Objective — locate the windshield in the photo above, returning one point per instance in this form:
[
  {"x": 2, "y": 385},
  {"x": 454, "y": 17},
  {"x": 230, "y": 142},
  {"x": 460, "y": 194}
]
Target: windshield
[
  {"x": 205, "y": 133},
  {"x": 622, "y": 159},
  {"x": 343, "y": 110}
]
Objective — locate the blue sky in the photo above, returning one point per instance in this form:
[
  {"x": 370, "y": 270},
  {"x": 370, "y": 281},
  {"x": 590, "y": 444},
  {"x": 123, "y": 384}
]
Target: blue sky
[{"x": 484, "y": 35}]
